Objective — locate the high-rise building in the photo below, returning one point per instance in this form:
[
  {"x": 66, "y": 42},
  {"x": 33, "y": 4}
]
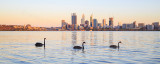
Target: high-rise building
[
  {"x": 150, "y": 27},
  {"x": 99, "y": 25},
  {"x": 156, "y": 25},
  {"x": 91, "y": 21},
  {"x": 104, "y": 23},
  {"x": 130, "y": 26},
  {"x": 134, "y": 24},
  {"x": 74, "y": 18},
  {"x": 74, "y": 21},
  {"x": 111, "y": 22},
  {"x": 95, "y": 23},
  {"x": 141, "y": 25},
  {"x": 86, "y": 23},
  {"x": 64, "y": 24},
  {"x": 124, "y": 26},
  {"x": 119, "y": 25},
  {"x": 127, "y": 26},
  {"x": 83, "y": 19}
]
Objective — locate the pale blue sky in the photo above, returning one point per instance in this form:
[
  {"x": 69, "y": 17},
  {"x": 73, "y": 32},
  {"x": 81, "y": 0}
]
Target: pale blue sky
[{"x": 51, "y": 12}]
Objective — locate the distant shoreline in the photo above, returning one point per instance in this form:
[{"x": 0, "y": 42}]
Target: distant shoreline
[{"x": 108, "y": 30}]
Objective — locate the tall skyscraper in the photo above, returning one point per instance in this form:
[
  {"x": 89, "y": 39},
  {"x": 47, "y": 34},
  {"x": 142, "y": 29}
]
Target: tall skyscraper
[
  {"x": 74, "y": 21},
  {"x": 83, "y": 19},
  {"x": 95, "y": 23},
  {"x": 91, "y": 21},
  {"x": 74, "y": 18},
  {"x": 104, "y": 23},
  {"x": 111, "y": 22}
]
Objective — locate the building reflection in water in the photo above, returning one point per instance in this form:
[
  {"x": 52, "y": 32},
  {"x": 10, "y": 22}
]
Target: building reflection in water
[
  {"x": 110, "y": 37},
  {"x": 74, "y": 38},
  {"x": 91, "y": 38},
  {"x": 63, "y": 36},
  {"x": 83, "y": 36},
  {"x": 104, "y": 37},
  {"x": 74, "y": 42},
  {"x": 95, "y": 38}
]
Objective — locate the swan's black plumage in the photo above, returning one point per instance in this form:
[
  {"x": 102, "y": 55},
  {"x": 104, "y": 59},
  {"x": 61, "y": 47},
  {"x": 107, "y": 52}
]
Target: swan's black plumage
[
  {"x": 115, "y": 46},
  {"x": 38, "y": 44},
  {"x": 79, "y": 47}
]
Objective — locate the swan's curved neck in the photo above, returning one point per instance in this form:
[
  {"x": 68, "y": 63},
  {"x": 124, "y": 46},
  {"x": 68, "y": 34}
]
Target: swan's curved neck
[
  {"x": 118, "y": 45},
  {"x": 44, "y": 42},
  {"x": 82, "y": 45}
]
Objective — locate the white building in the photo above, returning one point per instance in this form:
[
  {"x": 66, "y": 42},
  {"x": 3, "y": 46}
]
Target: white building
[{"x": 83, "y": 19}]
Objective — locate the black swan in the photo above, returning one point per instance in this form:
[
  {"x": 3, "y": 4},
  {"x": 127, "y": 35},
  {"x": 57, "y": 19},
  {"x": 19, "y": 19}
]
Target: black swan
[
  {"x": 79, "y": 47},
  {"x": 115, "y": 46},
  {"x": 38, "y": 44}
]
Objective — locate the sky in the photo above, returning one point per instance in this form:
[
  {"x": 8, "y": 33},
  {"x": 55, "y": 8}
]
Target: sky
[{"x": 49, "y": 13}]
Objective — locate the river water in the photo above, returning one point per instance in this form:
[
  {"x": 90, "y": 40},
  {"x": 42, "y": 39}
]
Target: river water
[{"x": 18, "y": 47}]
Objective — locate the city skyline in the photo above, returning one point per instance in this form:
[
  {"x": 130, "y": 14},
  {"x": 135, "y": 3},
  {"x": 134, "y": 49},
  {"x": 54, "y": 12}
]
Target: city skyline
[{"x": 50, "y": 13}]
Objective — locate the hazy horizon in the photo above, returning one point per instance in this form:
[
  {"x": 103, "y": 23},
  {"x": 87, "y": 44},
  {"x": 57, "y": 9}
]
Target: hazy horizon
[{"x": 49, "y": 13}]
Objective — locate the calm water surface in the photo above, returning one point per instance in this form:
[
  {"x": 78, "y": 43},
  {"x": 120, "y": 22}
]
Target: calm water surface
[{"x": 17, "y": 47}]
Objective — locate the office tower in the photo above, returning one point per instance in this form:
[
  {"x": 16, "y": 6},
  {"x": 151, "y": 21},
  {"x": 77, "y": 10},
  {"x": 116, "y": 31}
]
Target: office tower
[
  {"x": 87, "y": 23},
  {"x": 130, "y": 26},
  {"x": 104, "y": 23},
  {"x": 74, "y": 21},
  {"x": 91, "y": 20},
  {"x": 99, "y": 25},
  {"x": 124, "y": 26},
  {"x": 63, "y": 23},
  {"x": 156, "y": 25},
  {"x": 150, "y": 27},
  {"x": 95, "y": 23},
  {"x": 119, "y": 25},
  {"x": 134, "y": 24},
  {"x": 127, "y": 26},
  {"x": 111, "y": 22},
  {"x": 141, "y": 25},
  {"x": 83, "y": 19}
]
